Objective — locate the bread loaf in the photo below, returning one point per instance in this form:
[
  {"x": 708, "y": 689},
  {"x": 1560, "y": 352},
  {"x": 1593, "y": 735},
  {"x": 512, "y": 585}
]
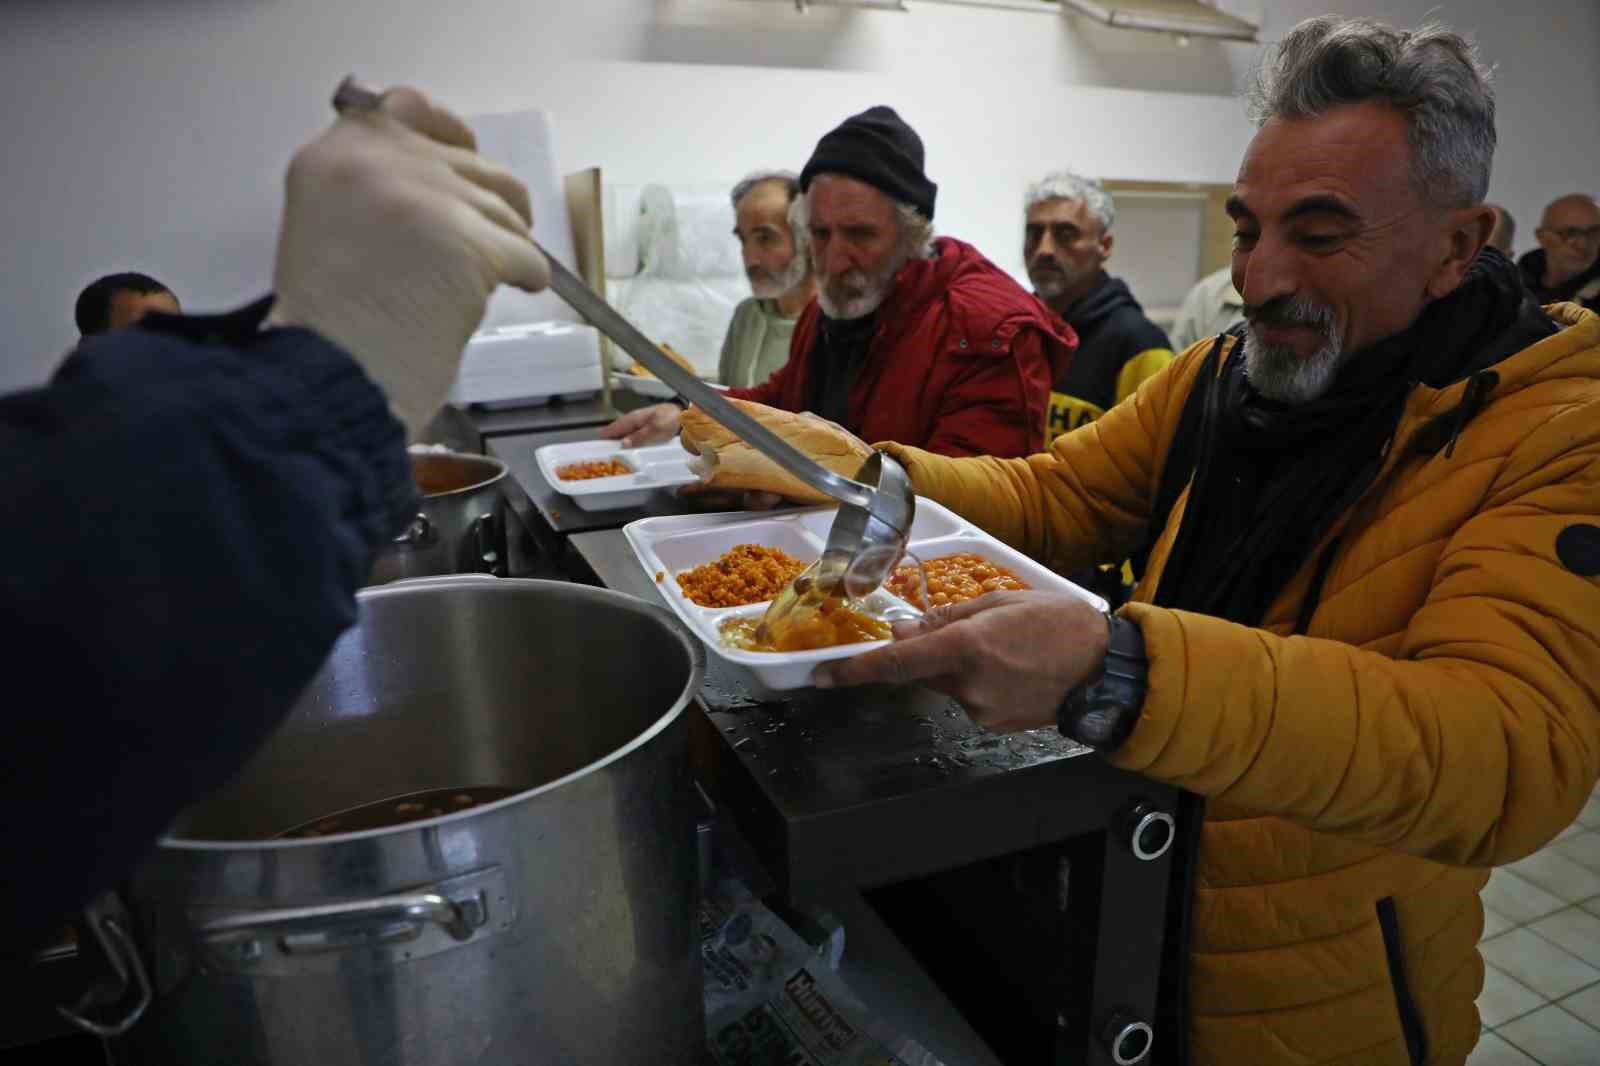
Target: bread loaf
[
  {"x": 639, "y": 370},
  {"x": 723, "y": 461}
]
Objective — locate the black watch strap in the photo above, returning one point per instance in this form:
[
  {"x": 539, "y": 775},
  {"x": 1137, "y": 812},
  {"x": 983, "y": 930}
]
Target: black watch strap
[{"x": 1102, "y": 712}]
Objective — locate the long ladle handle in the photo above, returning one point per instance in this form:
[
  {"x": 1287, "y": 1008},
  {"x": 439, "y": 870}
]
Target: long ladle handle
[{"x": 606, "y": 319}]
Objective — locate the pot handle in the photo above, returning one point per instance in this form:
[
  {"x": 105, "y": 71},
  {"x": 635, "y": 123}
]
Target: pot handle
[
  {"x": 484, "y": 532},
  {"x": 419, "y": 534},
  {"x": 404, "y": 926},
  {"x": 336, "y": 926},
  {"x": 106, "y": 921}
]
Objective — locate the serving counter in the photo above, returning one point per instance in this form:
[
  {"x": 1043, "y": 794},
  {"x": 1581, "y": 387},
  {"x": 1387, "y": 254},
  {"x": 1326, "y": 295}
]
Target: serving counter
[{"x": 1028, "y": 878}]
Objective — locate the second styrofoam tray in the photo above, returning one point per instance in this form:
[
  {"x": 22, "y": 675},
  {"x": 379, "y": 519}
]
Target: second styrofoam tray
[
  {"x": 660, "y": 466},
  {"x": 667, "y": 546}
]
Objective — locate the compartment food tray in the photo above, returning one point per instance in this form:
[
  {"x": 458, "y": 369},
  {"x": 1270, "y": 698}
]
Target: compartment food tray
[
  {"x": 666, "y": 547},
  {"x": 660, "y": 466}
]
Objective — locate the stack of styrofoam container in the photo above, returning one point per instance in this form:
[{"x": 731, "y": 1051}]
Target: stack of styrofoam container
[{"x": 532, "y": 363}]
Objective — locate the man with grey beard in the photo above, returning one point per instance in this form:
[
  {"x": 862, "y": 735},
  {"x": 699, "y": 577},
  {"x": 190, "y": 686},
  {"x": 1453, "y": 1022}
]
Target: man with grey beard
[
  {"x": 912, "y": 338},
  {"x": 779, "y": 270},
  {"x": 1367, "y": 626}
]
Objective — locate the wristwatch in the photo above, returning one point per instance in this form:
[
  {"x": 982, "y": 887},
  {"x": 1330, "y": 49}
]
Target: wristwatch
[{"x": 1102, "y": 711}]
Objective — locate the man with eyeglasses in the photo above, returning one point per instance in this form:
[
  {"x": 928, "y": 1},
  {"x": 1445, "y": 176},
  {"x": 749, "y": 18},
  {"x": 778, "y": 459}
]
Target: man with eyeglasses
[{"x": 1566, "y": 265}]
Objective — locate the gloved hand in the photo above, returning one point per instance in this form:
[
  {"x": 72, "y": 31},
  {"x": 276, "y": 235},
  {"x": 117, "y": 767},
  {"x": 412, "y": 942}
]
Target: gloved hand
[{"x": 394, "y": 234}]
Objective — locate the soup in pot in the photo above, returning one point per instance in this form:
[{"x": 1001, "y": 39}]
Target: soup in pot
[{"x": 398, "y": 810}]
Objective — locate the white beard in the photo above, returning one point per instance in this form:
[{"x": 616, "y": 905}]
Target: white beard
[
  {"x": 856, "y": 294},
  {"x": 1280, "y": 373},
  {"x": 770, "y": 287}
]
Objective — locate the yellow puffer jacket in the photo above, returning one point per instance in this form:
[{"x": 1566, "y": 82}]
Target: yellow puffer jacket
[{"x": 1441, "y": 716}]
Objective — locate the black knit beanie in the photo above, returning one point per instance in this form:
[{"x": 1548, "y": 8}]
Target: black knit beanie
[{"x": 876, "y": 147}]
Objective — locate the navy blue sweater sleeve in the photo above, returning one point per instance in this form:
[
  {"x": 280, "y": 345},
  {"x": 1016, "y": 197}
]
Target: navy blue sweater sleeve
[{"x": 195, "y": 503}]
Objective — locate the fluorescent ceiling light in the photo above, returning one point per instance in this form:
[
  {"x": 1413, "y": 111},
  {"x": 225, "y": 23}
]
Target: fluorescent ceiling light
[
  {"x": 878, "y": 5},
  {"x": 1187, "y": 17}
]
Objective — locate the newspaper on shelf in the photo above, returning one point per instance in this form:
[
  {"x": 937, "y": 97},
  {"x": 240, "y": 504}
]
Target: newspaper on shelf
[{"x": 772, "y": 999}]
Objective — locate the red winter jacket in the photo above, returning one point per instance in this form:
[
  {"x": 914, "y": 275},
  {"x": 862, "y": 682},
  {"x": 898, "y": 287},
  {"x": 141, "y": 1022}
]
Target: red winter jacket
[{"x": 961, "y": 362}]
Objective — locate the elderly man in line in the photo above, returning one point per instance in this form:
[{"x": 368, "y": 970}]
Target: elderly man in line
[
  {"x": 911, "y": 337},
  {"x": 781, "y": 280},
  {"x": 1066, "y": 241},
  {"x": 1566, "y": 265},
  {"x": 1369, "y": 630}
]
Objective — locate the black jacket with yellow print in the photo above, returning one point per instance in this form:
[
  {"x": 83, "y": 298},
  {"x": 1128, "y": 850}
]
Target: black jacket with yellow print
[{"x": 1118, "y": 347}]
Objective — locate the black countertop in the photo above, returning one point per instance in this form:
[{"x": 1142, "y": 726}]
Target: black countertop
[{"x": 472, "y": 427}]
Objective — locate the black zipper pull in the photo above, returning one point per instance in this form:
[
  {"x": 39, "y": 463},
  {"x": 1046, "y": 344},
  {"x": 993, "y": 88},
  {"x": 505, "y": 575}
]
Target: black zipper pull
[{"x": 1478, "y": 388}]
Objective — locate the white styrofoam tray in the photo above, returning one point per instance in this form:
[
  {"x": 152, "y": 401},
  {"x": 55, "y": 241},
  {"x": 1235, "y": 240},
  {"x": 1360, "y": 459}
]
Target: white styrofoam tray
[
  {"x": 657, "y": 467},
  {"x": 668, "y": 546}
]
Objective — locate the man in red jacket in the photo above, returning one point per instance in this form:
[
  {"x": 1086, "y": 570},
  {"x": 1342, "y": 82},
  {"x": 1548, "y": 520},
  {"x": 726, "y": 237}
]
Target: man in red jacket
[{"x": 911, "y": 338}]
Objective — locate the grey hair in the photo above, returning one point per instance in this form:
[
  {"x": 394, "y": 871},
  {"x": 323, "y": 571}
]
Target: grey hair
[
  {"x": 1066, "y": 185},
  {"x": 1433, "y": 76},
  {"x": 791, "y": 185},
  {"x": 916, "y": 229},
  {"x": 790, "y": 180}
]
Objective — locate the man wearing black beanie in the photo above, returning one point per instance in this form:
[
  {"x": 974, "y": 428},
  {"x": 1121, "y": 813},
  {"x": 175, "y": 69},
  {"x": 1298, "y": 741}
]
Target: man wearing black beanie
[
  {"x": 877, "y": 147},
  {"x": 911, "y": 339}
]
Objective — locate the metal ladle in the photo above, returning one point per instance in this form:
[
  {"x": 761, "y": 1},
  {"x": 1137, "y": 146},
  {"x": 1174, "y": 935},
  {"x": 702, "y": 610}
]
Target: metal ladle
[{"x": 876, "y": 506}]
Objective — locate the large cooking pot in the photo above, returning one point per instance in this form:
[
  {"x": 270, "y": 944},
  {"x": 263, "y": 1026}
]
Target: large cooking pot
[
  {"x": 555, "y": 926},
  {"x": 460, "y": 527}
]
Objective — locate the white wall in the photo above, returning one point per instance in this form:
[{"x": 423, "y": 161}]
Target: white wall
[{"x": 151, "y": 134}]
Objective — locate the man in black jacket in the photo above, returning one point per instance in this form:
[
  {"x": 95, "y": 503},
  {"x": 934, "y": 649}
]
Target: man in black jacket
[
  {"x": 1566, "y": 265},
  {"x": 1066, "y": 242},
  {"x": 204, "y": 495}
]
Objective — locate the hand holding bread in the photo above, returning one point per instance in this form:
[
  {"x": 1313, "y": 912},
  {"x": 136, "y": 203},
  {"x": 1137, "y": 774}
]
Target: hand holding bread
[{"x": 723, "y": 461}]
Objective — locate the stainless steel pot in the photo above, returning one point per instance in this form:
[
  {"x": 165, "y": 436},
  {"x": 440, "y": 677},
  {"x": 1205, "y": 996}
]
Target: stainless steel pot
[
  {"x": 460, "y": 528},
  {"x": 556, "y": 926}
]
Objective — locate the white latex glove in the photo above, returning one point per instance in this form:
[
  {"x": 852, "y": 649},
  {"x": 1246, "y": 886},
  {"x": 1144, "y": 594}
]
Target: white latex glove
[{"x": 394, "y": 234}]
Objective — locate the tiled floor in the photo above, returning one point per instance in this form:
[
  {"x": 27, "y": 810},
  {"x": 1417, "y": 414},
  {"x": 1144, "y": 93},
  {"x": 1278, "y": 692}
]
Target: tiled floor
[{"x": 1541, "y": 943}]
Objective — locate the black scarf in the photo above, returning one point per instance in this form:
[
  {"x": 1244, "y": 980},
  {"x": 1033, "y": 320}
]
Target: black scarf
[
  {"x": 836, "y": 360},
  {"x": 1270, "y": 479}
]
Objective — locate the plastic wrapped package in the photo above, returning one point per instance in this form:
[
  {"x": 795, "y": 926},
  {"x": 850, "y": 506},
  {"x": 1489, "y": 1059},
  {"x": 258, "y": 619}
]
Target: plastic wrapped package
[
  {"x": 686, "y": 233},
  {"x": 622, "y": 207},
  {"x": 691, "y": 274},
  {"x": 771, "y": 998}
]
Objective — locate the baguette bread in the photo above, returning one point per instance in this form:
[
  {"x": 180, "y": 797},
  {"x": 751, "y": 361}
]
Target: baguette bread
[
  {"x": 723, "y": 461},
  {"x": 639, "y": 370}
]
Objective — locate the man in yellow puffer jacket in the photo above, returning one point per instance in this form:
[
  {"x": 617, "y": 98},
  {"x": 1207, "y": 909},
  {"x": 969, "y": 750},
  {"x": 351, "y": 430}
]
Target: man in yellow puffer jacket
[{"x": 1368, "y": 632}]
